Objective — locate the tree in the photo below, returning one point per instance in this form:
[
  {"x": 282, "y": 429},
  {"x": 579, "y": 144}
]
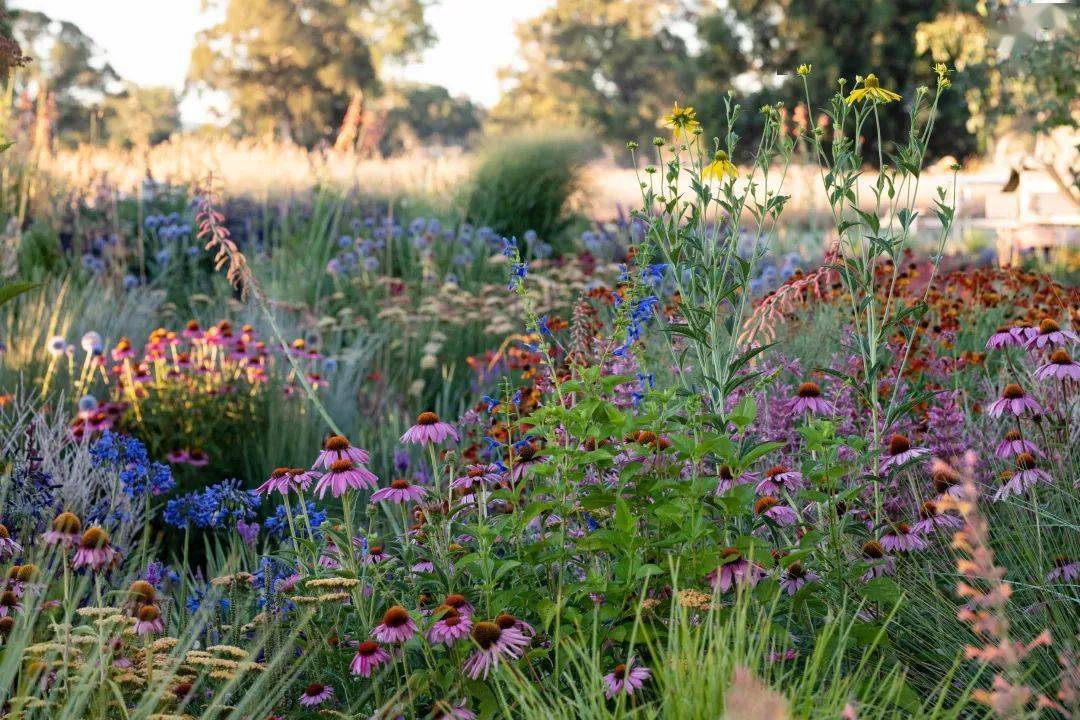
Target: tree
[
  {"x": 606, "y": 65},
  {"x": 427, "y": 115},
  {"x": 291, "y": 67},
  {"x": 141, "y": 116}
]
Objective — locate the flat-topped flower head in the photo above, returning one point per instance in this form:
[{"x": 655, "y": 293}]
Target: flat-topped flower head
[
  {"x": 808, "y": 400},
  {"x": 900, "y": 452},
  {"x": 429, "y": 430},
  {"x": 316, "y": 694},
  {"x": 400, "y": 491},
  {"x": 94, "y": 551},
  {"x": 345, "y": 475},
  {"x": 1014, "y": 401},
  {"x": 493, "y": 645},
  {"x": 778, "y": 480},
  {"x": 336, "y": 448},
  {"x": 369, "y": 655},
  {"x": 625, "y": 678},
  {"x": 1060, "y": 367},
  {"x": 397, "y": 626},
  {"x": 1050, "y": 334},
  {"x": 871, "y": 90}
]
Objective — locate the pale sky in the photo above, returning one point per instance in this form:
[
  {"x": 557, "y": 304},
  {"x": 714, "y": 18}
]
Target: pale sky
[{"x": 149, "y": 41}]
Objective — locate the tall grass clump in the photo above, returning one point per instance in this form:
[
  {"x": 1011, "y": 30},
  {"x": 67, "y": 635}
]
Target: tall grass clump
[{"x": 526, "y": 182}]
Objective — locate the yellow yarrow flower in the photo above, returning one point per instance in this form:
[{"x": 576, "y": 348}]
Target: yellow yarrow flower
[
  {"x": 871, "y": 90},
  {"x": 804, "y": 69},
  {"x": 719, "y": 168},
  {"x": 682, "y": 121},
  {"x": 943, "y": 75}
]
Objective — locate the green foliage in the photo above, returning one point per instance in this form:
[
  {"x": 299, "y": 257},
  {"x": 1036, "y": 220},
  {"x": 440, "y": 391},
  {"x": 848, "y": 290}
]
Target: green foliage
[
  {"x": 141, "y": 116},
  {"x": 525, "y": 182},
  {"x": 426, "y": 115}
]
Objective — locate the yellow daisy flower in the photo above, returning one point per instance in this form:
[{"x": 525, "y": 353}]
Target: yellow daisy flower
[
  {"x": 719, "y": 168},
  {"x": 682, "y": 121},
  {"x": 871, "y": 90}
]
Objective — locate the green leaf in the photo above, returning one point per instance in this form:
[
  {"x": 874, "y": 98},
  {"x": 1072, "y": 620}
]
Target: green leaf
[{"x": 9, "y": 291}]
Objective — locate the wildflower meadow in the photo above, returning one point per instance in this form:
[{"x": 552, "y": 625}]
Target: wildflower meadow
[{"x": 718, "y": 453}]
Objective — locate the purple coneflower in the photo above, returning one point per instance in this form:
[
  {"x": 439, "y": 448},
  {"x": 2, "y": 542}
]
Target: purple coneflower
[
  {"x": 460, "y": 603},
  {"x": 445, "y": 710},
  {"x": 197, "y": 458},
  {"x": 779, "y": 479},
  {"x": 880, "y": 563},
  {"x": 345, "y": 475},
  {"x": 808, "y": 400},
  {"x": 369, "y": 655},
  {"x": 932, "y": 520},
  {"x": 400, "y": 491},
  {"x": 423, "y": 567},
  {"x": 94, "y": 551},
  {"x": 330, "y": 557},
  {"x": 506, "y": 621},
  {"x": 316, "y": 694},
  {"x": 66, "y": 531},
  {"x": 278, "y": 480},
  {"x": 1065, "y": 570},
  {"x": 1061, "y": 367},
  {"x": 8, "y": 547},
  {"x": 726, "y": 480},
  {"x": 10, "y": 605},
  {"x": 1014, "y": 402},
  {"x": 429, "y": 429},
  {"x": 770, "y": 507},
  {"x": 450, "y": 627},
  {"x": 901, "y": 538},
  {"x": 375, "y": 553},
  {"x": 900, "y": 452},
  {"x": 1027, "y": 475},
  {"x": 735, "y": 569},
  {"x": 493, "y": 645},
  {"x": 525, "y": 455},
  {"x": 177, "y": 457},
  {"x": 1049, "y": 335},
  {"x": 1005, "y": 337},
  {"x": 336, "y": 448},
  {"x": 625, "y": 678},
  {"x": 1014, "y": 444},
  {"x": 397, "y": 626},
  {"x": 945, "y": 479},
  {"x": 478, "y": 473},
  {"x": 149, "y": 620},
  {"x": 795, "y": 577}
]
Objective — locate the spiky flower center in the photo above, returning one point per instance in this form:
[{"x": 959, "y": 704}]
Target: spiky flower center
[
  {"x": 376, "y": 550},
  {"x": 94, "y": 538},
  {"x": 1013, "y": 435},
  {"x": 486, "y": 634},
  {"x": 67, "y": 522},
  {"x": 724, "y": 471},
  {"x": 427, "y": 418},
  {"x": 1048, "y": 326},
  {"x": 796, "y": 570},
  {"x": 455, "y": 601},
  {"x": 873, "y": 550},
  {"x": 337, "y": 443},
  {"x": 399, "y": 484},
  {"x": 1060, "y": 357},
  {"x": 505, "y": 621},
  {"x": 928, "y": 511},
  {"x": 619, "y": 672},
  {"x": 809, "y": 390},
  {"x": 871, "y": 81},
  {"x": 340, "y": 466},
  {"x": 898, "y": 444},
  {"x": 1013, "y": 392},
  {"x": 395, "y": 617},
  {"x": 314, "y": 690},
  {"x": 367, "y": 648},
  {"x": 764, "y": 504},
  {"x": 775, "y": 470},
  {"x": 1025, "y": 461},
  {"x": 4, "y": 534},
  {"x": 142, "y": 591},
  {"x": 149, "y": 613},
  {"x": 279, "y": 472}
]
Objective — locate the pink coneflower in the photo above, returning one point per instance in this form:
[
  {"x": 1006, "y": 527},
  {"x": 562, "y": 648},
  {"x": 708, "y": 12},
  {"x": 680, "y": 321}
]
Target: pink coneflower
[
  {"x": 8, "y": 547},
  {"x": 450, "y": 627},
  {"x": 197, "y": 458},
  {"x": 149, "y": 620},
  {"x": 779, "y": 479},
  {"x": 735, "y": 569},
  {"x": 1014, "y": 444},
  {"x": 1049, "y": 335},
  {"x": 478, "y": 473},
  {"x": 330, "y": 557},
  {"x": 376, "y": 553},
  {"x": 901, "y": 538},
  {"x": 460, "y": 603},
  {"x": 1013, "y": 401},
  {"x": 808, "y": 400},
  {"x": 900, "y": 452},
  {"x": 525, "y": 455},
  {"x": 397, "y": 626},
  {"x": 795, "y": 577},
  {"x": 1060, "y": 367},
  {"x": 1065, "y": 570},
  {"x": 1027, "y": 475},
  {"x": 192, "y": 331},
  {"x": 316, "y": 694},
  {"x": 770, "y": 507},
  {"x": 336, "y": 448},
  {"x": 625, "y": 679},
  {"x": 725, "y": 480},
  {"x": 66, "y": 531},
  {"x": 301, "y": 478},
  {"x": 123, "y": 350},
  {"x": 345, "y": 475},
  {"x": 880, "y": 563},
  {"x": 494, "y": 645},
  {"x": 177, "y": 457},
  {"x": 278, "y": 481},
  {"x": 400, "y": 491},
  {"x": 423, "y": 567},
  {"x": 10, "y": 605},
  {"x": 94, "y": 551},
  {"x": 369, "y": 655},
  {"x": 445, "y": 710},
  {"x": 932, "y": 520},
  {"x": 506, "y": 621},
  {"x": 429, "y": 429},
  {"x": 1005, "y": 337},
  {"x": 945, "y": 479}
]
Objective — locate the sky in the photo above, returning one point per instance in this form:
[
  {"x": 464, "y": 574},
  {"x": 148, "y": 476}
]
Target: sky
[{"x": 149, "y": 42}]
